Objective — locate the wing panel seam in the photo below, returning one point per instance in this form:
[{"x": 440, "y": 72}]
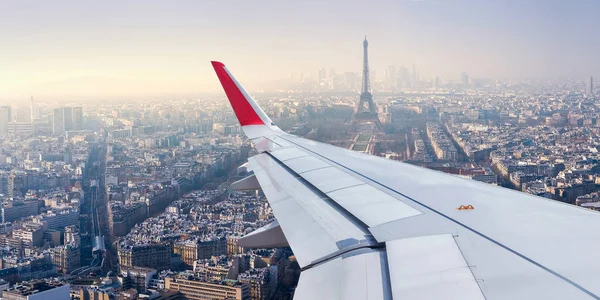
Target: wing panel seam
[
  {"x": 347, "y": 187},
  {"x": 468, "y": 265},
  {"x": 341, "y": 252}
]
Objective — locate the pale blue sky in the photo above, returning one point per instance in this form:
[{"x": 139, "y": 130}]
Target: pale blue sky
[{"x": 132, "y": 47}]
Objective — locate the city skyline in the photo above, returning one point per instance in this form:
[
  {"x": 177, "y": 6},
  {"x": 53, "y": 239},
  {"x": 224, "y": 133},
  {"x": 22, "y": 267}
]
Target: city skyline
[
  {"x": 126, "y": 49},
  {"x": 381, "y": 134}
]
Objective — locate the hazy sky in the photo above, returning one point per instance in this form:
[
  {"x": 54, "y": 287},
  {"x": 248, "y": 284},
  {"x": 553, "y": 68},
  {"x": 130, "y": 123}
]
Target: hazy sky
[{"x": 50, "y": 48}]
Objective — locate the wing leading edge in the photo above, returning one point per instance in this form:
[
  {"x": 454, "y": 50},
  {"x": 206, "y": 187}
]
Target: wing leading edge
[{"x": 399, "y": 229}]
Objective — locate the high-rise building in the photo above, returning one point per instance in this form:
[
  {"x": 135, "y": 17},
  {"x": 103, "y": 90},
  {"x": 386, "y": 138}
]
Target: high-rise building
[
  {"x": 589, "y": 87},
  {"x": 5, "y": 118},
  {"x": 436, "y": 82},
  {"x": 415, "y": 75},
  {"x": 66, "y": 119},
  {"x": 14, "y": 182},
  {"x": 390, "y": 76},
  {"x": 464, "y": 78},
  {"x": 77, "y": 118},
  {"x": 4, "y": 184},
  {"x": 58, "y": 121},
  {"x": 403, "y": 78},
  {"x": 33, "y": 115},
  {"x": 322, "y": 76}
]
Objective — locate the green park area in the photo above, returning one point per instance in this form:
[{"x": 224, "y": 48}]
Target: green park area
[
  {"x": 363, "y": 138},
  {"x": 359, "y": 147}
]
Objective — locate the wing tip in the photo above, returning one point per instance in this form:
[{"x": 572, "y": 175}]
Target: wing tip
[
  {"x": 216, "y": 64},
  {"x": 244, "y": 107}
]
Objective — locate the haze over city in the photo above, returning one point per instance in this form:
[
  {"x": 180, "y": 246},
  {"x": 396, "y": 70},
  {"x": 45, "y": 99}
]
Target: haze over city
[
  {"x": 86, "y": 50},
  {"x": 392, "y": 150}
]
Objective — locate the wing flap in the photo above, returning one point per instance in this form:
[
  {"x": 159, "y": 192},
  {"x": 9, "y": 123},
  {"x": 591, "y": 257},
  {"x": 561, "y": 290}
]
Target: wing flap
[
  {"x": 371, "y": 205},
  {"x": 430, "y": 267},
  {"x": 330, "y": 179},
  {"x": 357, "y": 275},
  {"x": 312, "y": 227},
  {"x": 285, "y": 154},
  {"x": 305, "y": 164}
]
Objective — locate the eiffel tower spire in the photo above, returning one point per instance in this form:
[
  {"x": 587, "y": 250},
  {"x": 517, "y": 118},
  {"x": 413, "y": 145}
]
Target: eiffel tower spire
[
  {"x": 365, "y": 88},
  {"x": 368, "y": 113}
]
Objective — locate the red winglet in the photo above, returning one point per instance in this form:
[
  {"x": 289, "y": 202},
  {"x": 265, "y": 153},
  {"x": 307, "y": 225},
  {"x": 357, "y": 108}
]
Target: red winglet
[{"x": 241, "y": 106}]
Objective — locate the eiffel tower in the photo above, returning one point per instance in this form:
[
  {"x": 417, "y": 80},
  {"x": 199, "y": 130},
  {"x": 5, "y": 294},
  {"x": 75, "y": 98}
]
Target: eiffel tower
[{"x": 367, "y": 110}]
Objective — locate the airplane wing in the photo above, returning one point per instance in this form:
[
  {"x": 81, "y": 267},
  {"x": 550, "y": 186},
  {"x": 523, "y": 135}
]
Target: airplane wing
[{"x": 364, "y": 227}]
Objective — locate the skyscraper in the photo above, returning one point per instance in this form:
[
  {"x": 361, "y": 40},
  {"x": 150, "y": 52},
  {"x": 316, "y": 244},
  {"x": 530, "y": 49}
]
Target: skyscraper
[
  {"x": 66, "y": 119},
  {"x": 390, "y": 74},
  {"x": 464, "y": 79},
  {"x": 436, "y": 82},
  {"x": 32, "y": 110},
  {"x": 5, "y": 118},
  {"x": 77, "y": 118},
  {"x": 415, "y": 75},
  {"x": 589, "y": 87},
  {"x": 58, "y": 121},
  {"x": 403, "y": 78},
  {"x": 322, "y": 75}
]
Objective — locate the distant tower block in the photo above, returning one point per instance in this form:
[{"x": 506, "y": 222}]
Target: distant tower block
[
  {"x": 32, "y": 110},
  {"x": 589, "y": 87},
  {"x": 367, "y": 110}
]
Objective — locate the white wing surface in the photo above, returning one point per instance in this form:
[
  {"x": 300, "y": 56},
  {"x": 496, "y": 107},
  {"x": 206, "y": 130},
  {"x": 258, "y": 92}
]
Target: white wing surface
[{"x": 364, "y": 227}]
